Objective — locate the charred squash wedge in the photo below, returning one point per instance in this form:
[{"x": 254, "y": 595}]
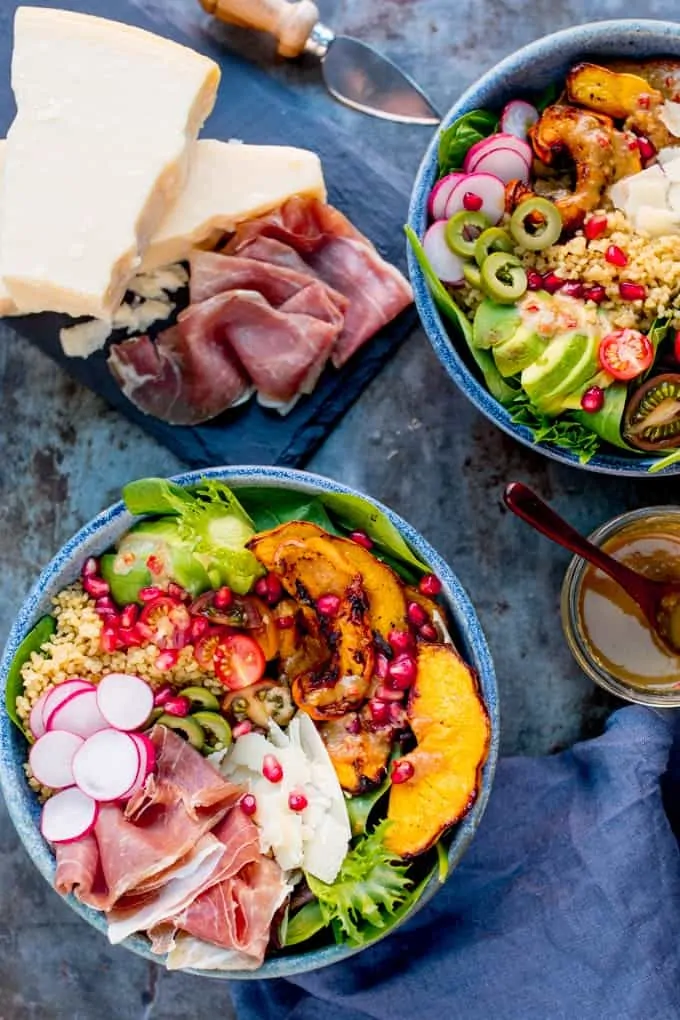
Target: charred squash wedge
[
  {"x": 451, "y": 725},
  {"x": 610, "y": 92},
  {"x": 359, "y": 754},
  {"x": 382, "y": 586},
  {"x": 266, "y": 545}
]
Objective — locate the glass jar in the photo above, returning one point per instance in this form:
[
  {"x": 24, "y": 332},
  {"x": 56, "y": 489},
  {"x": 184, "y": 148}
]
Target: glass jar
[{"x": 575, "y": 632}]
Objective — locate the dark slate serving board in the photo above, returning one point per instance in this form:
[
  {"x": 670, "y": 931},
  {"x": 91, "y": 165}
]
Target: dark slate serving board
[{"x": 253, "y": 107}]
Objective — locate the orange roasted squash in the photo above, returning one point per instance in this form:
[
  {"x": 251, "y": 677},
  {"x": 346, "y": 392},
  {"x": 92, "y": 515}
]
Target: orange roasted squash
[
  {"x": 451, "y": 725},
  {"x": 384, "y": 589},
  {"x": 359, "y": 754},
  {"x": 266, "y": 544},
  {"x": 609, "y": 92}
]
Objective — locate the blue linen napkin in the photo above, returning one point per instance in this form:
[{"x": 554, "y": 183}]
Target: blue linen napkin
[{"x": 566, "y": 906}]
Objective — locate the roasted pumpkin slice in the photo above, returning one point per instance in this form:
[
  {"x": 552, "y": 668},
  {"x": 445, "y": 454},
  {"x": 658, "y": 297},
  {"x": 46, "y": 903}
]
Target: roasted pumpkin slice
[
  {"x": 266, "y": 545},
  {"x": 450, "y": 723},
  {"x": 604, "y": 91},
  {"x": 359, "y": 754},
  {"x": 267, "y": 636},
  {"x": 341, "y": 685},
  {"x": 382, "y": 586},
  {"x": 435, "y": 613},
  {"x": 303, "y": 648}
]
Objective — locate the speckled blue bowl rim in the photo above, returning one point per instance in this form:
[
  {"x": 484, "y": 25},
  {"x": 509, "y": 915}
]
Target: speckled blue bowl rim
[
  {"x": 580, "y": 39},
  {"x": 98, "y": 535}
]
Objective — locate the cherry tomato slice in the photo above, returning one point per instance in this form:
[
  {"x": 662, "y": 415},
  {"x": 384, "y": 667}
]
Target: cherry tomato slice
[
  {"x": 204, "y": 652},
  {"x": 165, "y": 622},
  {"x": 239, "y": 661},
  {"x": 625, "y": 354}
]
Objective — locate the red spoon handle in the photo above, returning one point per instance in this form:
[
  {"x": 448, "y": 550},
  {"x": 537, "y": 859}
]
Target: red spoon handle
[{"x": 526, "y": 504}]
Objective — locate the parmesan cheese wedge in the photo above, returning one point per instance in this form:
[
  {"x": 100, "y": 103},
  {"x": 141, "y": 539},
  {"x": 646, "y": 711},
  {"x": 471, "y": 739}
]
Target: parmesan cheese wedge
[
  {"x": 7, "y": 306},
  {"x": 98, "y": 152},
  {"x": 228, "y": 184}
]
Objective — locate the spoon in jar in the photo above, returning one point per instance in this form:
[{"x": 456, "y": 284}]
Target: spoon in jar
[{"x": 658, "y": 600}]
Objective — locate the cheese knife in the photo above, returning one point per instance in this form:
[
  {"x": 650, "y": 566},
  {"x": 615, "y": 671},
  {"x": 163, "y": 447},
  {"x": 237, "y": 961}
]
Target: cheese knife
[{"x": 354, "y": 73}]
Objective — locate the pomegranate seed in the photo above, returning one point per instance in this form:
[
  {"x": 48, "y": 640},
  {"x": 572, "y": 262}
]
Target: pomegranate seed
[
  {"x": 328, "y": 605},
  {"x": 402, "y": 771},
  {"x": 109, "y": 638},
  {"x": 643, "y": 102},
  {"x": 354, "y": 725},
  {"x": 416, "y": 614},
  {"x": 573, "y": 288},
  {"x": 616, "y": 256},
  {"x": 145, "y": 631},
  {"x": 384, "y": 693},
  {"x": 285, "y": 622},
  {"x": 647, "y": 149},
  {"x": 271, "y": 769},
  {"x": 472, "y": 202},
  {"x": 402, "y": 672},
  {"x": 297, "y": 801},
  {"x": 240, "y": 729},
  {"x": 129, "y": 637},
  {"x": 261, "y": 587},
  {"x": 593, "y": 399},
  {"x": 534, "y": 280},
  {"x": 178, "y": 706},
  {"x": 149, "y": 594},
  {"x": 97, "y": 587},
  {"x": 595, "y": 227},
  {"x": 381, "y": 666},
  {"x": 176, "y": 591},
  {"x": 199, "y": 627},
  {"x": 552, "y": 283},
  {"x": 248, "y": 804},
  {"x": 105, "y": 606},
  {"x": 400, "y": 641},
  {"x": 380, "y": 711},
  {"x": 430, "y": 585},
  {"x": 361, "y": 538},
  {"x": 90, "y": 567},
  {"x": 162, "y": 695},
  {"x": 223, "y": 598},
  {"x": 596, "y": 293},
  {"x": 128, "y": 618},
  {"x": 632, "y": 291},
  {"x": 167, "y": 659},
  {"x": 428, "y": 633}
]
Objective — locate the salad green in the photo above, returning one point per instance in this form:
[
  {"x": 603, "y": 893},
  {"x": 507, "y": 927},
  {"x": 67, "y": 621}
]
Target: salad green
[{"x": 32, "y": 643}]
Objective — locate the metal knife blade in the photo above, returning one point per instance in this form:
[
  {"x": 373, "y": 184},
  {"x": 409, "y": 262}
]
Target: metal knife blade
[{"x": 364, "y": 79}]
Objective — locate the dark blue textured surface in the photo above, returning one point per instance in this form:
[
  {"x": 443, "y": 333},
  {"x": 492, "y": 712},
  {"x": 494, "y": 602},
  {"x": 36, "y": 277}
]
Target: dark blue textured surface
[
  {"x": 256, "y": 109},
  {"x": 566, "y": 907}
]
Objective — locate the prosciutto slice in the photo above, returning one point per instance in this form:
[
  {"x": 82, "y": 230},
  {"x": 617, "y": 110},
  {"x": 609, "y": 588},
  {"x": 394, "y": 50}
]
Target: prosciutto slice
[{"x": 77, "y": 867}]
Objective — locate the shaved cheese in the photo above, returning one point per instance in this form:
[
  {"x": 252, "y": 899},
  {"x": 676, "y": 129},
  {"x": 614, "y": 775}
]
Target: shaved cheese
[
  {"x": 97, "y": 154},
  {"x": 669, "y": 115},
  {"x": 83, "y": 339},
  {"x": 188, "y": 952},
  {"x": 657, "y": 222},
  {"x": 228, "y": 184}
]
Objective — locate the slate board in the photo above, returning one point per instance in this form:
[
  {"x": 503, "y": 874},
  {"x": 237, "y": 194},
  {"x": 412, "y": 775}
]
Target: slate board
[{"x": 253, "y": 107}]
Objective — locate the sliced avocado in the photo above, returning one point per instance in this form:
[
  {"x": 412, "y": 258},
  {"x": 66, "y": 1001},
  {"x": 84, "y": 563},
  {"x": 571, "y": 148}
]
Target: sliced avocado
[
  {"x": 494, "y": 324},
  {"x": 563, "y": 358},
  {"x": 200, "y": 698},
  {"x": 216, "y": 726},
  {"x": 517, "y": 353},
  {"x": 187, "y": 727},
  {"x": 559, "y": 398}
]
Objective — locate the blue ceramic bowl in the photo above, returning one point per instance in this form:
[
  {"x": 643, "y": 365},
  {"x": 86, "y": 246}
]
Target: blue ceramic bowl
[
  {"x": 100, "y": 534},
  {"x": 530, "y": 70}
]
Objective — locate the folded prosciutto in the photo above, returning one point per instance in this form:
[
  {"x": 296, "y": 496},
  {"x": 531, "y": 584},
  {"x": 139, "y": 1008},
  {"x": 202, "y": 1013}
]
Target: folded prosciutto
[{"x": 290, "y": 291}]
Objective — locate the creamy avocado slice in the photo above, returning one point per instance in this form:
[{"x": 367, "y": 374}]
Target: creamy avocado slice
[
  {"x": 521, "y": 350},
  {"x": 494, "y": 324},
  {"x": 565, "y": 365}
]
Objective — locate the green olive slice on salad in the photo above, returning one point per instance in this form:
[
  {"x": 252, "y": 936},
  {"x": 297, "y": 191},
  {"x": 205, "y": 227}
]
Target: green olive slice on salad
[
  {"x": 215, "y": 727},
  {"x": 492, "y": 240},
  {"x": 503, "y": 278},
  {"x": 200, "y": 699},
  {"x": 462, "y": 232},
  {"x": 472, "y": 275},
  {"x": 536, "y": 224},
  {"x": 186, "y": 726}
]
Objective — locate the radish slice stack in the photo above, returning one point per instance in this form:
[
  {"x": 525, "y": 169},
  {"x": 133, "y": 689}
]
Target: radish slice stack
[{"x": 86, "y": 749}]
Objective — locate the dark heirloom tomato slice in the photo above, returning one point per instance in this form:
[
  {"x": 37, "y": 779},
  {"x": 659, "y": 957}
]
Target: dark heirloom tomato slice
[
  {"x": 625, "y": 354},
  {"x": 239, "y": 661},
  {"x": 165, "y": 622},
  {"x": 652, "y": 417}
]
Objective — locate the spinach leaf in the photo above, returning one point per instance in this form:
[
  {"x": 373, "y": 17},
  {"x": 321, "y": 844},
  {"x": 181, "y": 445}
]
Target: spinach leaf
[
  {"x": 657, "y": 334},
  {"x": 354, "y": 514},
  {"x": 442, "y": 862},
  {"x": 359, "y": 808},
  {"x": 549, "y": 96},
  {"x": 154, "y": 496},
  {"x": 34, "y": 640},
  {"x": 607, "y": 422},
  {"x": 567, "y": 432},
  {"x": 268, "y": 508},
  {"x": 455, "y": 142},
  {"x": 499, "y": 388},
  {"x": 305, "y": 924},
  {"x": 664, "y": 462}
]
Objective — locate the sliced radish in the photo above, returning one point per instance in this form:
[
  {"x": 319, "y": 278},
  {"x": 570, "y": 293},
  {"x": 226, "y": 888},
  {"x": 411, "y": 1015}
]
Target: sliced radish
[
  {"x": 517, "y": 117},
  {"x": 147, "y": 762},
  {"x": 445, "y": 263},
  {"x": 107, "y": 765},
  {"x": 440, "y": 194},
  {"x": 125, "y": 701},
  {"x": 79, "y": 714},
  {"x": 51, "y": 758},
  {"x": 57, "y": 695},
  {"x": 489, "y": 189},
  {"x": 36, "y": 721},
  {"x": 506, "y": 164},
  {"x": 68, "y": 816},
  {"x": 492, "y": 144}
]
